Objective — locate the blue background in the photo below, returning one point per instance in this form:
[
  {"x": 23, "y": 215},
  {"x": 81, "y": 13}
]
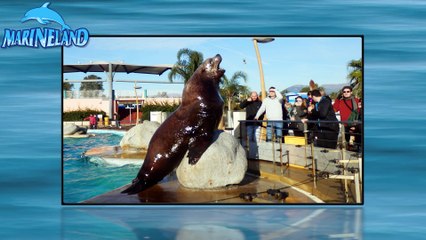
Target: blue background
[{"x": 395, "y": 50}]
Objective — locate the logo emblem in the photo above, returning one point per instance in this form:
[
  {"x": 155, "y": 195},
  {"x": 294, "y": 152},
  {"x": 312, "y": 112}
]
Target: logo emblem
[
  {"x": 45, "y": 15},
  {"x": 46, "y": 37}
]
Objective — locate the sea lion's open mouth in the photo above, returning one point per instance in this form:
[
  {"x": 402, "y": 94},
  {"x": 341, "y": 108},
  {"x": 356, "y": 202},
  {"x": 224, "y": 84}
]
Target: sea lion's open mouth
[{"x": 217, "y": 60}]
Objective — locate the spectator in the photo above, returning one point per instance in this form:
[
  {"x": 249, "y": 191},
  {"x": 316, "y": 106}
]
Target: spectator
[
  {"x": 92, "y": 121},
  {"x": 252, "y": 104},
  {"x": 297, "y": 113},
  {"x": 310, "y": 100},
  {"x": 325, "y": 133},
  {"x": 272, "y": 105},
  {"x": 97, "y": 120},
  {"x": 346, "y": 104},
  {"x": 356, "y": 129},
  {"x": 117, "y": 120},
  {"x": 286, "y": 116}
]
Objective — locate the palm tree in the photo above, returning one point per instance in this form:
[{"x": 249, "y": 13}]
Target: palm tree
[
  {"x": 230, "y": 87},
  {"x": 355, "y": 76},
  {"x": 187, "y": 62}
]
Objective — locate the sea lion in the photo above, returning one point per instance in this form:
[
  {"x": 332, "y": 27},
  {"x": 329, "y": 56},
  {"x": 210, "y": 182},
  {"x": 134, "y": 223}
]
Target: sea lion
[{"x": 190, "y": 128}]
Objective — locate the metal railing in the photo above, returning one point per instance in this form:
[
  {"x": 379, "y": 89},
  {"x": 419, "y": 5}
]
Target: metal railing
[
  {"x": 309, "y": 131},
  {"x": 349, "y": 169},
  {"x": 118, "y": 94}
]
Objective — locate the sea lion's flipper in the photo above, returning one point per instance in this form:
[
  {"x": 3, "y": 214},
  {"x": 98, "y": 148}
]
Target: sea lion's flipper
[
  {"x": 136, "y": 187},
  {"x": 197, "y": 146}
]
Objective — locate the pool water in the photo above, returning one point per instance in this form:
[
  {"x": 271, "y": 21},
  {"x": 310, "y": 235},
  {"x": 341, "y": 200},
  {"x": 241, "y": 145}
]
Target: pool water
[{"x": 86, "y": 177}]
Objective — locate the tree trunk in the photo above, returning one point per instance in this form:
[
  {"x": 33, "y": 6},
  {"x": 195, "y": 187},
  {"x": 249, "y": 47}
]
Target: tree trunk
[{"x": 229, "y": 115}]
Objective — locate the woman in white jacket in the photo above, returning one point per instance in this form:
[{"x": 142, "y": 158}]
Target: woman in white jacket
[{"x": 274, "y": 112}]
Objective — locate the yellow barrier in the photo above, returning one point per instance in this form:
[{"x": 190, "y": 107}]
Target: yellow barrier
[{"x": 294, "y": 140}]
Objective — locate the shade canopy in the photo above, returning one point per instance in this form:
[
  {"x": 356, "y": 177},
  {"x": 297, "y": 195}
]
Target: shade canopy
[{"x": 115, "y": 67}]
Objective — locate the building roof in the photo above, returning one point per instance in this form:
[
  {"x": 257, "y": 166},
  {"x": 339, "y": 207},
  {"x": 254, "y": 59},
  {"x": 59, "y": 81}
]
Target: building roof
[{"x": 116, "y": 67}]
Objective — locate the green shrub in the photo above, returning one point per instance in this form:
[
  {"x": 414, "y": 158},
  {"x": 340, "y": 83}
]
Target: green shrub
[
  {"x": 161, "y": 107},
  {"x": 79, "y": 115}
]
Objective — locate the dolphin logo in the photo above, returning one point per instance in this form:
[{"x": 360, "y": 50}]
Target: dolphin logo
[{"x": 44, "y": 15}]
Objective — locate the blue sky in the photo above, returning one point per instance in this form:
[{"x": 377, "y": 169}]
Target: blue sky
[{"x": 286, "y": 61}]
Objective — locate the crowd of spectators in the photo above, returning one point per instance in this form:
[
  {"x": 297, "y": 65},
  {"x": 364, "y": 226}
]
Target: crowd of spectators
[{"x": 314, "y": 116}]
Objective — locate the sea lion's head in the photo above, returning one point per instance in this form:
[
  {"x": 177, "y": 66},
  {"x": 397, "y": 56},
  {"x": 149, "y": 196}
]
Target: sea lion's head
[{"x": 210, "y": 69}]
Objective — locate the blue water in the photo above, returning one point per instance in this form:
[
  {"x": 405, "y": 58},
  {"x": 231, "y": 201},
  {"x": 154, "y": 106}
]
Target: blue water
[
  {"x": 86, "y": 177},
  {"x": 395, "y": 50}
]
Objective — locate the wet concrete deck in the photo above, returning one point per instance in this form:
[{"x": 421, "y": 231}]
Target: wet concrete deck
[
  {"x": 171, "y": 192},
  {"x": 297, "y": 181},
  {"x": 328, "y": 190}
]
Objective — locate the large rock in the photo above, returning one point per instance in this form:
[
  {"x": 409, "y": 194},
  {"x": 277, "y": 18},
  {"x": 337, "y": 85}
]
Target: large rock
[
  {"x": 222, "y": 164},
  {"x": 138, "y": 137},
  {"x": 71, "y": 129}
]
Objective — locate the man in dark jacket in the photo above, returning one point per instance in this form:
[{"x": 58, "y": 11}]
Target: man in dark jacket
[
  {"x": 252, "y": 105},
  {"x": 325, "y": 133}
]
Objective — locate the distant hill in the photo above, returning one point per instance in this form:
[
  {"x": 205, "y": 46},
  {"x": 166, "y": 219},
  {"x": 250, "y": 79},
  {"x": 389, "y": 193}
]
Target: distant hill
[
  {"x": 295, "y": 88},
  {"x": 329, "y": 88}
]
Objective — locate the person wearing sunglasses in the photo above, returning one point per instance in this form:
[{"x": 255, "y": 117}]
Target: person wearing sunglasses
[{"x": 347, "y": 105}]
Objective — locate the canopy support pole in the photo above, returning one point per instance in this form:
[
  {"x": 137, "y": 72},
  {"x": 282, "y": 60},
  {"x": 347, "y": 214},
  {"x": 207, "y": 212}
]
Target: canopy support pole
[{"x": 110, "y": 92}]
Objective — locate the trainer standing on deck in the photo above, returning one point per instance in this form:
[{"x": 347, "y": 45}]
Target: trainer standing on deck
[
  {"x": 272, "y": 105},
  {"x": 252, "y": 105}
]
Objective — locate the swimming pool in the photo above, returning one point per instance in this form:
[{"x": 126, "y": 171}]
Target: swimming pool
[{"x": 86, "y": 177}]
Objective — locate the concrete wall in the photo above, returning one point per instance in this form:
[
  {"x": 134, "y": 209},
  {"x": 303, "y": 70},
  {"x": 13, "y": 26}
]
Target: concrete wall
[
  {"x": 162, "y": 100},
  {"x": 87, "y": 123},
  {"x": 295, "y": 155},
  {"x": 78, "y": 123},
  {"x": 81, "y": 104},
  {"x": 100, "y": 104}
]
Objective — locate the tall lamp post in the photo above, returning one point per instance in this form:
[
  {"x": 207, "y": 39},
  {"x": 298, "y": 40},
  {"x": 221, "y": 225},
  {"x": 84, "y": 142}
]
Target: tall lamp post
[
  {"x": 259, "y": 61},
  {"x": 137, "y": 103}
]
